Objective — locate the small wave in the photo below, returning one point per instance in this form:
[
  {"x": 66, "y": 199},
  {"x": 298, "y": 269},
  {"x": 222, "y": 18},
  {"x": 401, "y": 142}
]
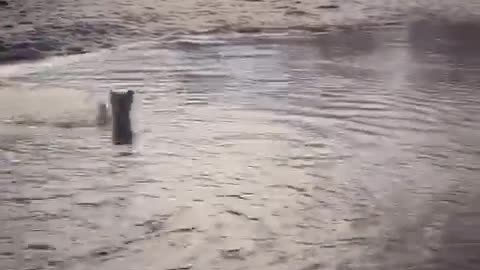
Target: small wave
[
  {"x": 199, "y": 40},
  {"x": 16, "y": 69}
]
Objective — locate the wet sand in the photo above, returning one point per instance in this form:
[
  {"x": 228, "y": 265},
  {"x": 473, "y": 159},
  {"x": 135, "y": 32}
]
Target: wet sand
[{"x": 34, "y": 29}]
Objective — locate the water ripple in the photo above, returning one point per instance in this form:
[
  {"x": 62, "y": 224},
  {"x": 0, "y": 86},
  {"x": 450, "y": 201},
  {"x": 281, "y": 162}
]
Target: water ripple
[{"x": 251, "y": 151}]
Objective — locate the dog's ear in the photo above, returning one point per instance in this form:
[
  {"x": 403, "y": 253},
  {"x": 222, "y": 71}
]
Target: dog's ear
[
  {"x": 130, "y": 95},
  {"x": 112, "y": 96}
]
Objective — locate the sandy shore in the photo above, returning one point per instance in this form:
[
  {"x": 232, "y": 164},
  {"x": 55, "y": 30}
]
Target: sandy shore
[{"x": 33, "y": 29}]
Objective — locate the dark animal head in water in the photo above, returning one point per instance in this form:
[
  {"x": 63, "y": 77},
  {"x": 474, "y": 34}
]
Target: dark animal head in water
[{"x": 121, "y": 103}]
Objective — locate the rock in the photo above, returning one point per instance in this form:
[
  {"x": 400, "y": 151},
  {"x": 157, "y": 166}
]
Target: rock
[
  {"x": 3, "y": 3},
  {"x": 21, "y": 54},
  {"x": 75, "y": 49},
  {"x": 22, "y": 45},
  {"x": 46, "y": 45},
  {"x": 40, "y": 42}
]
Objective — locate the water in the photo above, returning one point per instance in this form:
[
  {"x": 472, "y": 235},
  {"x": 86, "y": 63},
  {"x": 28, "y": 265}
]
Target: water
[{"x": 346, "y": 150}]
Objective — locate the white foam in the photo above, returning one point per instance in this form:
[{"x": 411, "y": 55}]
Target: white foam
[{"x": 51, "y": 106}]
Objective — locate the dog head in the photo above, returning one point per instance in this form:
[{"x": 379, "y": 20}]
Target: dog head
[{"x": 121, "y": 101}]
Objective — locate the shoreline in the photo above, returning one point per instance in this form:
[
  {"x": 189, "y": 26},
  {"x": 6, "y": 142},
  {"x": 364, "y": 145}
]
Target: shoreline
[
  {"x": 34, "y": 30},
  {"x": 30, "y": 52}
]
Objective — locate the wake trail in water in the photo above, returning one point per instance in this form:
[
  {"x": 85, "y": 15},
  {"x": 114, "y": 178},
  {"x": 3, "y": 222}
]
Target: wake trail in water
[{"x": 57, "y": 107}]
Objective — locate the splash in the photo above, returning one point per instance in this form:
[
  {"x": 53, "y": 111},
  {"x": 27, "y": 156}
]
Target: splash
[{"x": 66, "y": 108}]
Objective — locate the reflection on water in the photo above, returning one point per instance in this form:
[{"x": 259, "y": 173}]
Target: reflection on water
[{"x": 333, "y": 151}]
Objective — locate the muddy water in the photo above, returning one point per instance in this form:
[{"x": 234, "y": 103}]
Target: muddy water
[{"x": 348, "y": 150}]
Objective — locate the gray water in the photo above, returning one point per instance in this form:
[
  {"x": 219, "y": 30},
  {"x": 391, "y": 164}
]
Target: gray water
[{"x": 346, "y": 150}]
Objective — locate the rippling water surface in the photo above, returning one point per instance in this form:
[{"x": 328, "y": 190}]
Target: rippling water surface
[{"x": 252, "y": 151}]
